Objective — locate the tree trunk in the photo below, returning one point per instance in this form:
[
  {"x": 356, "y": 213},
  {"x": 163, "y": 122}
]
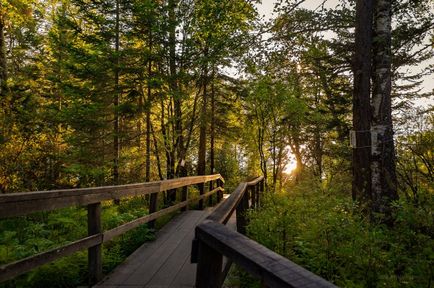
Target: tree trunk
[
  {"x": 3, "y": 61},
  {"x": 261, "y": 152},
  {"x": 212, "y": 133},
  {"x": 116, "y": 103},
  {"x": 296, "y": 150},
  {"x": 212, "y": 136},
  {"x": 361, "y": 185},
  {"x": 177, "y": 127},
  {"x": 383, "y": 151},
  {"x": 274, "y": 157},
  {"x": 148, "y": 112},
  {"x": 201, "y": 165},
  {"x": 157, "y": 155}
]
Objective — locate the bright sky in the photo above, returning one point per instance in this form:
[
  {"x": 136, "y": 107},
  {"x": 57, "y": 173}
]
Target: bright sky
[{"x": 266, "y": 9}]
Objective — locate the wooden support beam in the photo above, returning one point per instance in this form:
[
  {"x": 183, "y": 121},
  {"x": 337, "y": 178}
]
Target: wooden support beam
[
  {"x": 211, "y": 187},
  {"x": 272, "y": 269},
  {"x": 253, "y": 196},
  {"x": 94, "y": 253},
  {"x": 241, "y": 212},
  {"x": 221, "y": 184},
  {"x": 201, "y": 192},
  {"x": 209, "y": 267},
  {"x": 153, "y": 205}
]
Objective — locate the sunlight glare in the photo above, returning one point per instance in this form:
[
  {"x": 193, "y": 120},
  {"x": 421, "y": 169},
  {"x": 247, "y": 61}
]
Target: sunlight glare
[{"x": 290, "y": 165}]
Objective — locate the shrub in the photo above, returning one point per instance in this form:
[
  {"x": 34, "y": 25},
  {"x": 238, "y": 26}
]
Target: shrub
[{"x": 319, "y": 227}]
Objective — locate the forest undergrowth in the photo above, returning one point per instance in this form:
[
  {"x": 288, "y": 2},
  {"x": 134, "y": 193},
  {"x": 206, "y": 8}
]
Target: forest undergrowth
[
  {"x": 318, "y": 226},
  {"x": 25, "y": 236}
]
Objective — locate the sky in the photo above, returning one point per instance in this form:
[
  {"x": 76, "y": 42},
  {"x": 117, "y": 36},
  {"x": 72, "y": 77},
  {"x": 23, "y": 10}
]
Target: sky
[{"x": 266, "y": 9}]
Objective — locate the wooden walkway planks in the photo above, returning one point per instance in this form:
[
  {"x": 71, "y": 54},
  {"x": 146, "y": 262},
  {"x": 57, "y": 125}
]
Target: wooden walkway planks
[{"x": 164, "y": 262}]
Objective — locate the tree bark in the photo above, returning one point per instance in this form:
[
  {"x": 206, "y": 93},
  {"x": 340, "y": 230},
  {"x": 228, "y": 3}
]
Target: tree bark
[
  {"x": 212, "y": 132},
  {"x": 148, "y": 111},
  {"x": 201, "y": 165},
  {"x": 261, "y": 152},
  {"x": 361, "y": 184},
  {"x": 116, "y": 145},
  {"x": 383, "y": 151},
  {"x": 173, "y": 86},
  {"x": 3, "y": 60}
]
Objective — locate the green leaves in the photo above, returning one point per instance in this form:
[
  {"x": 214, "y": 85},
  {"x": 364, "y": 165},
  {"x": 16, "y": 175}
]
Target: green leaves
[{"x": 319, "y": 228}]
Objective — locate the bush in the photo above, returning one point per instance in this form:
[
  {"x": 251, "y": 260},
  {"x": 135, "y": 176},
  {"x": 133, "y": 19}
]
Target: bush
[{"x": 319, "y": 227}]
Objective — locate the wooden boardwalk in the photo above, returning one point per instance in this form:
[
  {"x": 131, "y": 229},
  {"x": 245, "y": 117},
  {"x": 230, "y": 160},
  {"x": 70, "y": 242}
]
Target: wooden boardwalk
[{"x": 164, "y": 262}]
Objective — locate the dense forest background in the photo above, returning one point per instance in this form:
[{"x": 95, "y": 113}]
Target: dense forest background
[{"x": 112, "y": 92}]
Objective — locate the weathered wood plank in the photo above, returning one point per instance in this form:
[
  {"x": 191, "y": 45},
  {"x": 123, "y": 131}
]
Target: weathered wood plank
[
  {"x": 147, "y": 254},
  {"x": 110, "y": 234},
  {"x": 159, "y": 255},
  {"x": 209, "y": 267},
  {"x": 273, "y": 269},
  {"x": 24, "y": 203},
  {"x": 241, "y": 212},
  {"x": 224, "y": 211},
  {"x": 255, "y": 181},
  {"x": 207, "y": 194},
  {"x": 16, "y": 204}
]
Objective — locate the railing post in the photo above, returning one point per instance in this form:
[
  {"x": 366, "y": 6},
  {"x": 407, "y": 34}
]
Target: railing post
[
  {"x": 95, "y": 252},
  {"x": 209, "y": 267},
  {"x": 258, "y": 192},
  {"x": 253, "y": 196},
  {"x": 184, "y": 197},
  {"x": 211, "y": 186},
  {"x": 241, "y": 212},
  {"x": 201, "y": 191},
  {"x": 153, "y": 199},
  {"x": 220, "y": 183},
  {"x": 261, "y": 193}
]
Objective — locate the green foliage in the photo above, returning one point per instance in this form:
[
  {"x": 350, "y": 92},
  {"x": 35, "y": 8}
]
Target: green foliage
[
  {"x": 39, "y": 232},
  {"x": 319, "y": 227}
]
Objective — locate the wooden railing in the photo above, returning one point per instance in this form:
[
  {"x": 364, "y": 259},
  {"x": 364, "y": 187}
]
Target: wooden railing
[
  {"x": 18, "y": 204},
  {"x": 214, "y": 241}
]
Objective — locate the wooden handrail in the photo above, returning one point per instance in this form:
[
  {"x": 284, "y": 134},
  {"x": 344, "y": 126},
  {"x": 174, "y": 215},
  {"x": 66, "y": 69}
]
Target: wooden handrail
[
  {"x": 18, "y": 204},
  {"x": 214, "y": 240},
  {"x": 223, "y": 212}
]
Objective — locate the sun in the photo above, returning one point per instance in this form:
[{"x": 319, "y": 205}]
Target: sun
[{"x": 291, "y": 165}]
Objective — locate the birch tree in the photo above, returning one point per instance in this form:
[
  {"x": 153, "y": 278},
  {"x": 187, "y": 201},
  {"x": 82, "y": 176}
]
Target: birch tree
[{"x": 383, "y": 150}]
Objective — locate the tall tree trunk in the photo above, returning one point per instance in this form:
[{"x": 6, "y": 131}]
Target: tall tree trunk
[
  {"x": 212, "y": 133},
  {"x": 3, "y": 61},
  {"x": 201, "y": 163},
  {"x": 116, "y": 102},
  {"x": 274, "y": 157},
  {"x": 296, "y": 150},
  {"x": 201, "y": 168},
  {"x": 261, "y": 152},
  {"x": 172, "y": 150},
  {"x": 361, "y": 184},
  {"x": 157, "y": 155},
  {"x": 318, "y": 148},
  {"x": 383, "y": 151},
  {"x": 148, "y": 112}
]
